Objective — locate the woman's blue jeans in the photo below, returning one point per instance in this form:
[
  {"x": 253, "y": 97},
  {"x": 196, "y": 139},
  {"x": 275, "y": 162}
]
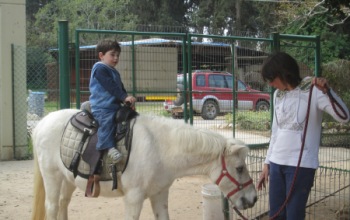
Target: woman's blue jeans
[{"x": 281, "y": 178}]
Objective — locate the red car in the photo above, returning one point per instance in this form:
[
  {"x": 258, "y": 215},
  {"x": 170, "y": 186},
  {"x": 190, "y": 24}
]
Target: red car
[{"x": 212, "y": 95}]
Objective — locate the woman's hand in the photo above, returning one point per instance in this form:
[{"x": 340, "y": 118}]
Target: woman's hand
[
  {"x": 264, "y": 177},
  {"x": 321, "y": 84}
]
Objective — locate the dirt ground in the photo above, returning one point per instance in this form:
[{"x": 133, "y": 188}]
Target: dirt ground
[
  {"x": 185, "y": 199},
  {"x": 16, "y": 186}
]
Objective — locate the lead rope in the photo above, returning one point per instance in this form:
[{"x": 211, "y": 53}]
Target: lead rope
[
  {"x": 344, "y": 116},
  {"x": 335, "y": 103},
  {"x": 239, "y": 213}
]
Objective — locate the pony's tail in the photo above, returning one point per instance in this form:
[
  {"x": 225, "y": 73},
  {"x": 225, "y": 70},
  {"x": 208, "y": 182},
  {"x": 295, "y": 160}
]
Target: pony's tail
[{"x": 38, "y": 211}]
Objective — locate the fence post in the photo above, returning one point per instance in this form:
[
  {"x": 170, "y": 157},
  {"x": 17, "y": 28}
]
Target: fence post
[
  {"x": 318, "y": 57},
  {"x": 275, "y": 42},
  {"x": 64, "y": 72},
  {"x": 77, "y": 69}
]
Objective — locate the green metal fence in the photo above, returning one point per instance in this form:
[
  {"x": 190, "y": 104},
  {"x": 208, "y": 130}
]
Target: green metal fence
[
  {"x": 153, "y": 78},
  {"x": 35, "y": 93},
  {"x": 150, "y": 64}
]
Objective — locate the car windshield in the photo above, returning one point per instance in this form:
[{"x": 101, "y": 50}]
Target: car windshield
[{"x": 215, "y": 81}]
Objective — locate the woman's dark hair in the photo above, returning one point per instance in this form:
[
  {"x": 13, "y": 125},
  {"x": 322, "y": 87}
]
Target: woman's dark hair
[
  {"x": 106, "y": 45},
  {"x": 283, "y": 66}
]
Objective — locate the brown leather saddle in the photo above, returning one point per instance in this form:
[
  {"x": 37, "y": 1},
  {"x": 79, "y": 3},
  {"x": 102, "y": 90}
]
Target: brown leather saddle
[{"x": 86, "y": 124}]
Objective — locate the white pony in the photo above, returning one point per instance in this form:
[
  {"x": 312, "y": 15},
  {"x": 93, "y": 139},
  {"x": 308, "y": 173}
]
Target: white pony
[{"x": 162, "y": 150}]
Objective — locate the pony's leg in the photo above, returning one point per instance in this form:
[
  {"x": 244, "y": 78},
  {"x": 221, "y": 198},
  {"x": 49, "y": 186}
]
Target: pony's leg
[
  {"x": 52, "y": 184},
  {"x": 159, "y": 204},
  {"x": 38, "y": 211},
  {"x": 133, "y": 201},
  {"x": 67, "y": 190}
]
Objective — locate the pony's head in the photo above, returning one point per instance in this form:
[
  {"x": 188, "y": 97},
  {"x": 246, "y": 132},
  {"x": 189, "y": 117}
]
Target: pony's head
[{"x": 232, "y": 176}]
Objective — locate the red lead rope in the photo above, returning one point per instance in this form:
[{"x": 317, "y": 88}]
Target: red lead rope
[
  {"x": 335, "y": 103},
  {"x": 343, "y": 116},
  {"x": 241, "y": 186}
]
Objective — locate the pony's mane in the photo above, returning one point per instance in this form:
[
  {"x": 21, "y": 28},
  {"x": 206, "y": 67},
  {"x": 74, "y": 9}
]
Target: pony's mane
[{"x": 187, "y": 138}]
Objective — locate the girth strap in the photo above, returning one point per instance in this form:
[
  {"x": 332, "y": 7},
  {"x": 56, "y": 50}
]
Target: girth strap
[
  {"x": 114, "y": 176},
  {"x": 76, "y": 159}
]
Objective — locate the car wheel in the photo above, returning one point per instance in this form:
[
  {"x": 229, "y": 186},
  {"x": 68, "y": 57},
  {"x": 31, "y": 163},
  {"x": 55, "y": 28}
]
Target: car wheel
[
  {"x": 179, "y": 100},
  {"x": 210, "y": 110},
  {"x": 178, "y": 116},
  {"x": 262, "y": 106}
]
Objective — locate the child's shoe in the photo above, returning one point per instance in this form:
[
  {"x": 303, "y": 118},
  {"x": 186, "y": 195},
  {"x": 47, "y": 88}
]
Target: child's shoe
[{"x": 114, "y": 155}]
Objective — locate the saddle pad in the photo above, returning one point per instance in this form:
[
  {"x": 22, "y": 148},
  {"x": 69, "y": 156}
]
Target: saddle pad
[{"x": 69, "y": 145}]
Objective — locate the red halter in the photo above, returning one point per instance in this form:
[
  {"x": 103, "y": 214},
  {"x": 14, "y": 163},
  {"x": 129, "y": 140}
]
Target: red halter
[{"x": 224, "y": 173}]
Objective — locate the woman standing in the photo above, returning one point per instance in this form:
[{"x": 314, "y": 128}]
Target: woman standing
[{"x": 290, "y": 111}]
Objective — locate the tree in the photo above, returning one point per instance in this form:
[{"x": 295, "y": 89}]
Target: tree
[
  {"x": 327, "y": 18},
  {"x": 82, "y": 14},
  {"x": 220, "y": 17},
  {"x": 312, "y": 18},
  {"x": 159, "y": 15}
]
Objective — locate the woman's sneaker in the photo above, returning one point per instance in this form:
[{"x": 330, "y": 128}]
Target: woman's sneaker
[{"x": 114, "y": 155}]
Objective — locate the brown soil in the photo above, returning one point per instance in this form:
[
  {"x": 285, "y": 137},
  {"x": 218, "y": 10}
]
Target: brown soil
[
  {"x": 185, "y": 199},
  {"x": 16, "y": 190}
]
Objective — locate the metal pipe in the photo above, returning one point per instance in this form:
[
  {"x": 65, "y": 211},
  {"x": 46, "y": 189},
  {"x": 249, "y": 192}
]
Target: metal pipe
[{"x": 64, "y": 72}]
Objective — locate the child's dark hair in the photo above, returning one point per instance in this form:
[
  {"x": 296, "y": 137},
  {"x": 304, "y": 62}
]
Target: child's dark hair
[
  {"x": 283, "y": 66},
  {"x": 106, "y": 45}
]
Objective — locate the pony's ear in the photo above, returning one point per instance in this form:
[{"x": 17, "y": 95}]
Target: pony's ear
[
  {"x": 242, "y": 152},
  {"x": 237, "y": 147}
]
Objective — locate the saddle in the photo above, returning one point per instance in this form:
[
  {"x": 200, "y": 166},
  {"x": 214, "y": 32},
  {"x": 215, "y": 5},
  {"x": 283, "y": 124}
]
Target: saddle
[{"x": 86, "y": 124}]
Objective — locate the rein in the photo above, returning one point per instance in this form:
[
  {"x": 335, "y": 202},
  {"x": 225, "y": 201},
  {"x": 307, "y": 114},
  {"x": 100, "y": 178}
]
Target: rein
[
  {"x": 343, "y": 116},
  {"x": 335, "y": 103}
]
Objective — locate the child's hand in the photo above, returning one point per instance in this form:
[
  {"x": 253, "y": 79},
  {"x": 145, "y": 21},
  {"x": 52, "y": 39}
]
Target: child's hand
[{"x": 130, "y": 99}]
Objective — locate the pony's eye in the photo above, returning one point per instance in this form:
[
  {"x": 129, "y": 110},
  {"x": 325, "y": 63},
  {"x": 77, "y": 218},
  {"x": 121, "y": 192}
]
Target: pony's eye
[{"x": 239, "y": 169}]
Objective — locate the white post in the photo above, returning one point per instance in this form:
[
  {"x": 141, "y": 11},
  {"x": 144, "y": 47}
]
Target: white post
[{"x": 13, "y": 31}]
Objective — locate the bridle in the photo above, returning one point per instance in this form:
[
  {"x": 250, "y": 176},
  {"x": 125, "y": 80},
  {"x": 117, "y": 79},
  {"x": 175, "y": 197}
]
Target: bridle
[{"x": 225, "y": 173}]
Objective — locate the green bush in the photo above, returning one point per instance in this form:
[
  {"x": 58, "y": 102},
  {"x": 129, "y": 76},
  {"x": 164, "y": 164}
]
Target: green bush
[
  {"x": 251, "y": 120},
  {"x": 338, "y": 75}
]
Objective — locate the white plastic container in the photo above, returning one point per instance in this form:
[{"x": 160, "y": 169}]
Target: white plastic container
[
  {"x": 36, "y": 102},
  {"x": 212, "y": 202}
]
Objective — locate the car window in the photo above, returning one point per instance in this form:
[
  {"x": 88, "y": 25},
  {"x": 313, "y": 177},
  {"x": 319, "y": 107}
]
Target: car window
[
  {"x": 200, "y": 80},
  {"x": 241, "y": 85},
  {"x": 217, "y": 81},
  {"x": 228, "y": 81}
]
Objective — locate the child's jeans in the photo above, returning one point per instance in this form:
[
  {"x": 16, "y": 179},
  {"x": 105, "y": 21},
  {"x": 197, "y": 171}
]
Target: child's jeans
[{"x": 107, "y": 128}]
